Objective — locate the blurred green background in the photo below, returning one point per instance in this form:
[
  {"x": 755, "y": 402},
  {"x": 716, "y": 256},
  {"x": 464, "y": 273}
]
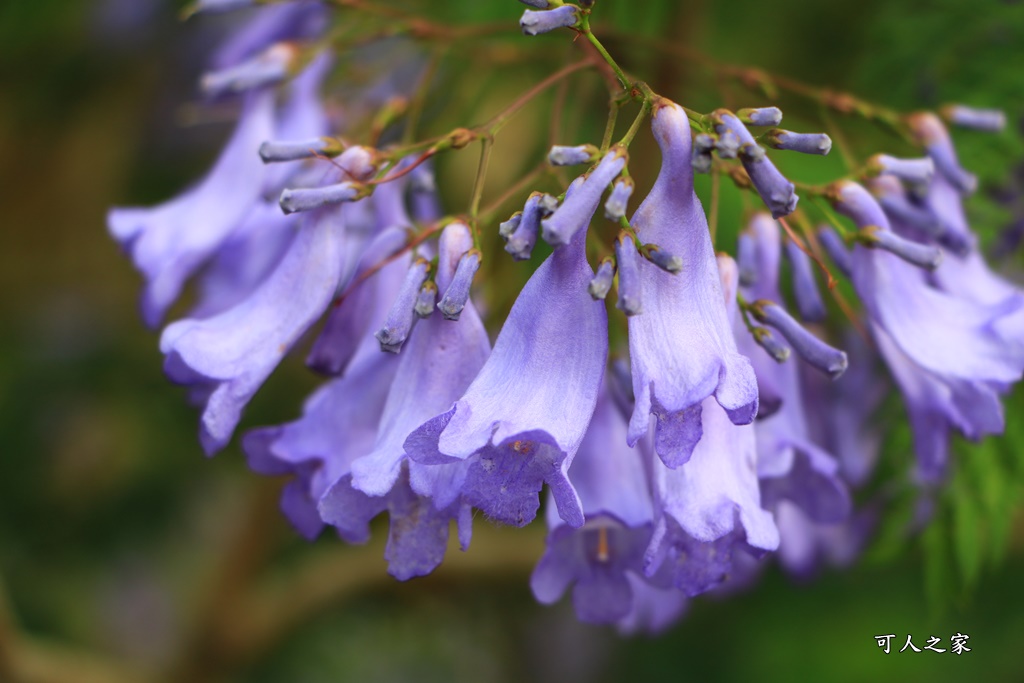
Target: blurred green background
[{"x": 127, "y": 556}]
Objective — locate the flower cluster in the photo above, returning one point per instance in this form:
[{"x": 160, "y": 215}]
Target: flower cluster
[{"x": 669, "y": 474}]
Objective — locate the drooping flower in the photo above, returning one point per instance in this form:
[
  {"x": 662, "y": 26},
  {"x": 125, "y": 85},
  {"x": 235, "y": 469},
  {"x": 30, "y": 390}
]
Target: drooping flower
[
  {"x": 709, "y": 507},
  {"x": 599, "y": 558},
  {"x": 170, "y": 241},
  {"x": 943, "y": 349},
  {"x": 790, "y": 464},
  {"x": 232, "y": 353},
  {"x": 520, "y": 422},
  {"x": 681, "y": 348}
]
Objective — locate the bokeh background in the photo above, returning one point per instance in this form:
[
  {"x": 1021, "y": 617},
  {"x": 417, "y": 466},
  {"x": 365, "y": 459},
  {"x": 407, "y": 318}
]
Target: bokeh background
[{"x": 125, "y": 555}]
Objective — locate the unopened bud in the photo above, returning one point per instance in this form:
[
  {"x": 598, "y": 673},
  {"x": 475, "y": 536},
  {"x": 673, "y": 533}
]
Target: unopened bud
[{"x": 762, "y": 116}]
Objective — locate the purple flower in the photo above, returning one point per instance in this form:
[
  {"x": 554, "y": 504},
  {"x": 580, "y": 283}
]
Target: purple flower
[
  {"x": 790, "y": 465},
  {"x": 681, "y": 348},
  {"x": 271, "y": 24},
  {"x": 931, "y": 132},
  {"x": 170, "y": 241},
  {"x": 599, "y": 557},
  {"x": 233, "y": 352},
  {"x": 950, "y": 356},
  {"x": 437, "y": 365},
  {"x": 364, "y": 298},
  {"x": 310, "y": 448},
  {"x": 522, "y": 419},
  {"x": 653, "y": 609},
  {"x": 709, "y": 506},
  {"x": 579, "y": 206},
  {"x": 245, "y": 259}
]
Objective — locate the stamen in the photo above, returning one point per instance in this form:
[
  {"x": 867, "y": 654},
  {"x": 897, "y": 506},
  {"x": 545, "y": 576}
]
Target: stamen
[{"x": 603, "y": 551}]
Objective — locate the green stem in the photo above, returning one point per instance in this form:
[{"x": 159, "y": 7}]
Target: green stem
[
  {"x": 645, "y": 109},
  {"x": 487, "y": 144},
  {"x": 613, "y": 116},
  {"x": 620, "y": 75}
]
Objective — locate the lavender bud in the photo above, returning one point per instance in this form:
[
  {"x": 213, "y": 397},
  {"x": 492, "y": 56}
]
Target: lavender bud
[
  {"x": 455, "y": 297},
  {"x": 602, "y": 282},
  {"x": 703, "y": 143},
  {"x": 307, "y": 199},
  {"x": 508, "y": 227},
  {"x": 402, "y": 315},
  {"x": 426, "y": 299},
  {"x": 220, "y": 5},
  {"x": 268, "y": 67},
  {"x": 933, "y": 135},
  {"x": 805, "y": 288},
  {"x": 663, "y": 259},
  {"x": 988, "y": 120},
  {"x": 914, "y": 171},
  {"x": 520, "y": 242},
  {"x": 615, "y": 206},
  {"x": 893, "y": 200},
  {"x": 358, "y": 162},
  {"x": 548, "y": 204},
  {"x": 534, "y": 23},
  {"x": 701, "y": 161},
  {"x": 836, "y": 249},
  {"x": 539, "y": 4},
  {"x": 767, "y": 341},
  {"x": 922, "y": 255},
  {"x": 629, "y": 276},
  {"x": 762, "y": 116},
  {"x": 728, "y": 144},
  {"x": 746, "y": 259},
  {"x": 561, "y": 155},
  {"x": 274, "y": 151},
  {"x": 805, "y": 143},
  {"x": 812, "y": 350},
  {"x": 778, "y": 194}
]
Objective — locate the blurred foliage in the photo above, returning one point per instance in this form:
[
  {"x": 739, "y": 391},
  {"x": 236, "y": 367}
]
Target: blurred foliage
[{"x": 120, "y": 544}]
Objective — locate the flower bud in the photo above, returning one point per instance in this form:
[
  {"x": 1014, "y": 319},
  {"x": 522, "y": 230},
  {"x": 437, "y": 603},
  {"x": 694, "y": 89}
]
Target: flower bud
[
  {"x": 988, "y": 120},
  {"x": 266, "y": 68},
  {"x": 615, "y": 206},
  {"x": 534, "y": 23},
  {"x": 457, "y": 294},
  {"x": 402, "y": 315},
  {"x": 560, "y": 155},
  {"x": 761, "y": 116},
  {"x": 629, "y": 276},
  {"x": 602, "y": 282},
  {"x": 805, "y": 143}
]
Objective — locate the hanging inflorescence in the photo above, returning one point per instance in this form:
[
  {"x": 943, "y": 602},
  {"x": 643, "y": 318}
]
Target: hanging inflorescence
[{"x": 722, "y": 438}]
